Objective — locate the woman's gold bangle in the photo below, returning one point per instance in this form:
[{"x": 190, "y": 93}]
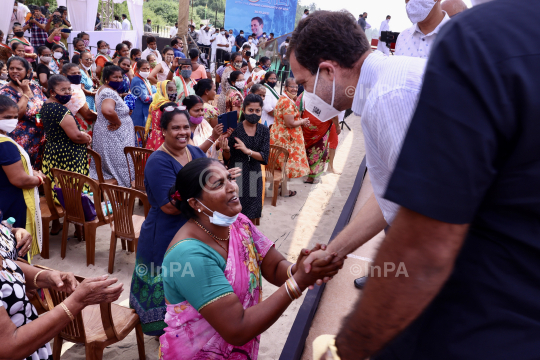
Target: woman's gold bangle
[
  {"x": 35, "y": 278},
  {"x": 26, "y": 96},
  {"x": 289, "y": 270},
  {"x": 71, "y": 317}
]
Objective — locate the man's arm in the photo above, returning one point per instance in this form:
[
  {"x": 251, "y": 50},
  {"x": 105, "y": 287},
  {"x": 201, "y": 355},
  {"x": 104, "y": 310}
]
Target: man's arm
[{"x": 427, "y": 249}]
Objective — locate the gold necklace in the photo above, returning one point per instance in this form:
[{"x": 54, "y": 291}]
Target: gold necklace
[
  {"x": 188, "y": 154},
  {"x": 214, "y": 237}
]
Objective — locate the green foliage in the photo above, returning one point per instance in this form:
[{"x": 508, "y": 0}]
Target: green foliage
[{"x": 300, "y": 10}]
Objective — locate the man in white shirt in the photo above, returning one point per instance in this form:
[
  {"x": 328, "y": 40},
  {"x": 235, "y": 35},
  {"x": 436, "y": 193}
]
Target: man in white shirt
[
  {"x": 213, "y": 45},
  {"x": 428, "y": 19},
  {"x": 250, "y": 61},
  {"x": 253, "y": 45},
  {"x": 204, "y": 38},
  {"x": 126, "y": 25},
  {"x": 222, "y": 45},
  {"x": 381, "y": 46},
  {"x": 174, "y": 30},
  {"x": 305, "y": 14},
  {"x": 231, "y": 39},
  {"x": 116, "y": 23},
  {"x": 151, "y": 49},
  {"x": 387, "y": 89}
]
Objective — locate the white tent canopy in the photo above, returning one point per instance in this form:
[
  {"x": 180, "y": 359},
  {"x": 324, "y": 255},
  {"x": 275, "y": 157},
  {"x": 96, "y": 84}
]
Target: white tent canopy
[{"x": 82, "y": 14}]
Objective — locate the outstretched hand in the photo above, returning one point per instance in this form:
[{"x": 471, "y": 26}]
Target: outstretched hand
[{"x": 321, "y": 271}]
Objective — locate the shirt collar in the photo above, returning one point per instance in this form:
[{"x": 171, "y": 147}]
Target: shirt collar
[
  {"x": 437, "y": 29},
  {"x": 369, "y": 74}
]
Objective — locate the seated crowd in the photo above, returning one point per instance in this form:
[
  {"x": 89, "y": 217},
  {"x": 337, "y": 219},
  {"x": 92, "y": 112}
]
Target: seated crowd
[{"x": 55, "y": 105}]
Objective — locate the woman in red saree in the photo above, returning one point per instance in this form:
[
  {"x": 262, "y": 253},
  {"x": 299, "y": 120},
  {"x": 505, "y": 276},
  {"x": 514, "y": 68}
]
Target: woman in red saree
[{"x": 316, "y": 139}]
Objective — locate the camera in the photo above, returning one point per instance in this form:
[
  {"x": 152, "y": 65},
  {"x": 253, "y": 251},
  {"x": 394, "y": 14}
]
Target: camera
[
  {"x": 389, "y": 37},
  {"x": 248, "y": 53}
]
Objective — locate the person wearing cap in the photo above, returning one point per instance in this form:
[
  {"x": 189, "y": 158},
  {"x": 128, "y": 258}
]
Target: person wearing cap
[{"x": 180, "y": 72}]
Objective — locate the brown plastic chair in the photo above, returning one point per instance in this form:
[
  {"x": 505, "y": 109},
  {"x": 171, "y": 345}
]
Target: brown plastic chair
[
  {"x": 140, "y": 132},
  {"x": 125, "y": 225},
  {"x": 97, "y": 326},
  {"x": 276, "y": 168},
  {"x": 49, "y": 211},
  {"x": 72, "y": 185},
  {"x": 94, "y": 156},
  {"x": 139, "y": 157}
]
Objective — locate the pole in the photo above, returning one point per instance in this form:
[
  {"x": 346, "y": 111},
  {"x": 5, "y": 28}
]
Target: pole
[{"x": 183, "y": 20}]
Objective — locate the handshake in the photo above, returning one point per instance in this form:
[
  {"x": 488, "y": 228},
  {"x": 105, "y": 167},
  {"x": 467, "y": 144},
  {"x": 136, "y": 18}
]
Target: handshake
[{"x": 316, "y": 266}]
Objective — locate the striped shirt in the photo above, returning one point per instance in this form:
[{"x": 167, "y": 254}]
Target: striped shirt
[{"x": 386, "y": 97}]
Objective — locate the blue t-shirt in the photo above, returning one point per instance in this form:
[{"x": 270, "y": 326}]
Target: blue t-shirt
[
  {"x": 178, "y": 53},
  {"x": 472, "y": 156},
  {"x": 11, "y": 197}
]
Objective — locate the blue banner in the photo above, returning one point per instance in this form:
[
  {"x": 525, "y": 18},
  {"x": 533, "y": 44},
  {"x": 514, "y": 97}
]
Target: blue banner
[{"x": 260, "y": 16}]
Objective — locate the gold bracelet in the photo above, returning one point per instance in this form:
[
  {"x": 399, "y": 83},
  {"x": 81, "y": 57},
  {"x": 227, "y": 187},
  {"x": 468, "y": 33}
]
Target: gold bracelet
[
  {"x": 35, "y": 278},
  {"x": 295, "y": 287},
  {"x": 287, "y": 290},
  {"x": 292, "y": 292},
  {"x": 71, "y": 317},
  {"x": 289, "y": 270}
]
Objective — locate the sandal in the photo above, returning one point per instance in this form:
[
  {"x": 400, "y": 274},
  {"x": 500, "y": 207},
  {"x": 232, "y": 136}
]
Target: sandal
[{"x": 292, "y": 193}]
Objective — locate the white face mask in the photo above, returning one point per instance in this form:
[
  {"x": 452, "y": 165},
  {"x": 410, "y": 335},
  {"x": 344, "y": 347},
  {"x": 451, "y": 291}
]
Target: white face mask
[
  {"x": 86, "y": 67},
  {"x": 46, "y": 59},
  {"x": 317, "y": 106},
  {"x": 144, "y": 75},
  {"x": 240, "y": 84},
  {"x": 8, "y": 125},
  {"x": 418, "y": 10},
  {"x": 219, "y": 219},
  {"x": 222, "y": 33},
  {"x": 58, "y": 55}
]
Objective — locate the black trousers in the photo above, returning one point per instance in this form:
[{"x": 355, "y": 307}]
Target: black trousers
[{"x": 219, "y": 55}]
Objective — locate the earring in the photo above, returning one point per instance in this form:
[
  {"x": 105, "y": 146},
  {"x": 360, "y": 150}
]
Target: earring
[{"x": 199, "y": 210}]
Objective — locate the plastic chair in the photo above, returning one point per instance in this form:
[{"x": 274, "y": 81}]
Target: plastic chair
[
  {"x": 139, "y": 156},
  {"x": 276, "y": 169},
  {"x": 97, "y": 159},
  {"x": 97, "y": 326},
  {"x": 49, "y": 211},
  {"x": 140, "y": 133},
  {"x": 72, "y": 185},
  {"x": 125, "y": 225}
]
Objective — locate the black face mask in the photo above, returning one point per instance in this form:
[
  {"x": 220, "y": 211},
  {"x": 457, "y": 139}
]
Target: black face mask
[
  {"x": 271, "y": 83},
  {"x": 252, "y": 118},
  {"x": 19, "y": 33},
  {"x": 74, "y": 79}
]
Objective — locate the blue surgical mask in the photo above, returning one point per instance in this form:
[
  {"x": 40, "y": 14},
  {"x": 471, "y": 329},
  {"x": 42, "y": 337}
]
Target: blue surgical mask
[{"x": 219, "y": 219}]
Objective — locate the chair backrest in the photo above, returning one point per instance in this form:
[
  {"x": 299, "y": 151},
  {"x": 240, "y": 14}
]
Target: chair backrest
[
  {"x": 122, "y": 201},
  {"x": 72, "y": 185},
  {"x": 277, "y": 158},
  {"x": 47, "y": 189},
  {"x": 374, "y": 42},
  {"x": 139, "y": 157},
  {"x": 74, "y": 331},
  {"x": 96, "y": 158},
  {"x": 140, "y": 133}
]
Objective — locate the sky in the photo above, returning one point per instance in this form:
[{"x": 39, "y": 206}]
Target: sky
[{"x": 376, "y": 9}]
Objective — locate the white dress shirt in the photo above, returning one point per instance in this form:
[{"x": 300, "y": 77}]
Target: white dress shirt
[
  {"x": 231, "y": 42},
  {"x": 269, "y": 104},
  {"x": 126, "y": 25},
  {"x": 204, "y": 37},
  {"x": 413, "y": 42},
  {"x": 174, "y": 31},
  {"x": 222, "y": 40},
  {"x": 368, "y": 26},
  {"x": 386, "y": 96},
  {"x": 149, "y": 51},
  {"x": 116, "y": 25},
  {"x": 381, "y": 46}
]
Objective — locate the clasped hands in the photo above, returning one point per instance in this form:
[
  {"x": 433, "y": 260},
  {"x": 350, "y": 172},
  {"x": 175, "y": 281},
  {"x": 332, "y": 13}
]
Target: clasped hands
[{"x": 317, "y": 266}]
